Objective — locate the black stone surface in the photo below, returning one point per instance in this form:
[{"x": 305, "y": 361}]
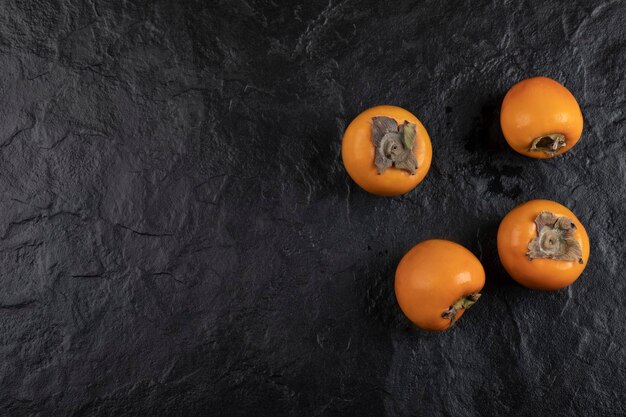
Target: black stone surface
[{"x": 179, "y": 236}]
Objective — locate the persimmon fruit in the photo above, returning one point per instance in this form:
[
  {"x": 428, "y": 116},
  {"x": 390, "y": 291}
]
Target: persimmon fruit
[
  {"x": 542, "y": 245},
  {"x": 436, "y": 281},
  {"x": 386, "y": 150},
  {"x": 540, "y": 118}
]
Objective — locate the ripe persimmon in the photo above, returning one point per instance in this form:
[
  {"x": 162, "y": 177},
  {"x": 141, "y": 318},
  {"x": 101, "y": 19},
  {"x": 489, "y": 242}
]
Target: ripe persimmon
[
  {"x": 542, "y": 245},
  {"x": 436, "y": 281},
  {"x": 540, "y": 118},
  {"x": 386, "y": 150}
]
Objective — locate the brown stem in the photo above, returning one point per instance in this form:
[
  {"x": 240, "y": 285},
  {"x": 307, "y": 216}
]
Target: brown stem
[
  {"x": 462, "y": 303},
  {"x": 555, "y": 239},
  {"x": 548, "y": 144},
  {"x": 394, "y": 144}
]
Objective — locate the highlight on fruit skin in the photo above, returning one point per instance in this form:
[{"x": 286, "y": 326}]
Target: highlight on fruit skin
[
  {"x": 542, "y": 245},
  {"x": 540, "y": 118},
  {"x": 386, "y": 150},
  {"x": 436, "y": 282}
]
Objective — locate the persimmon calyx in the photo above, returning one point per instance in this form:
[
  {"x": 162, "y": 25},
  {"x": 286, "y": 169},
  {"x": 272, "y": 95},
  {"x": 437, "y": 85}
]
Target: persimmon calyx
[
  {"x": 462, "y": 303},
  {"x": 548, "y": 144},
  {"x": 394, "y": 144},
  {"x": 555, "y": 239}
]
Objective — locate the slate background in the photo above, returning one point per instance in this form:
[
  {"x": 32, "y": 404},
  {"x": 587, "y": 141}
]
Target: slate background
[{"x": 179, "y": 236}]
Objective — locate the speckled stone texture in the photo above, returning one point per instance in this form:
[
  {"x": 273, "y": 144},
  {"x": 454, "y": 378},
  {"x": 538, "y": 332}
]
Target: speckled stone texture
[{"x": 179, "y": 236}]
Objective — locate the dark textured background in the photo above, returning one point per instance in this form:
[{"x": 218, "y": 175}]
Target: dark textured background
[{"x": 179, "y": 236}]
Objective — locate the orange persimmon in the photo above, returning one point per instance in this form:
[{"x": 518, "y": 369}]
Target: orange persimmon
[
  {"x": 436, "y": 281},
  {"x": 542, "y": 245},
  {"x": 540, "y": 118},
  {"x": 386, "y": 150}
]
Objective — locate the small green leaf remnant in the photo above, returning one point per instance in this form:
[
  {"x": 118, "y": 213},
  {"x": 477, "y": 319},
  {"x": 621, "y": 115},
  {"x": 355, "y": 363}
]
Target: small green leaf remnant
[{"x": 462, "y": 303}]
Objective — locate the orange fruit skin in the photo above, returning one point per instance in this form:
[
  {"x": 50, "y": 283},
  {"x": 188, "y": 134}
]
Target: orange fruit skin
[
  {"x": 518, "y": 229},
  {"x": 357, "y": 152},
  {"x": 536, "y": 107},
  {"x": 431, "y": 277}
]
